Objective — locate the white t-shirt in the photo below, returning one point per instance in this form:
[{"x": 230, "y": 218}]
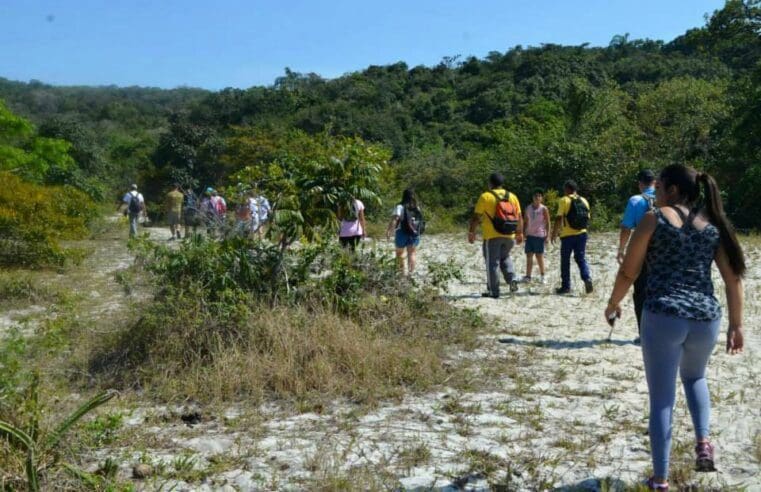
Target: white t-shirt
[
  {"x": 128, "y": 198},
  {"x": 260, "y": 210}
]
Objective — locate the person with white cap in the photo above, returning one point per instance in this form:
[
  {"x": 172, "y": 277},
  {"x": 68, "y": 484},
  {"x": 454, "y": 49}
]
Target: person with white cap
[{"x": 134, "y": 205}]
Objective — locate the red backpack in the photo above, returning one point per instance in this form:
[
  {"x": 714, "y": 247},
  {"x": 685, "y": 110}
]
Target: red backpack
[{"x": 505, "y": 220}]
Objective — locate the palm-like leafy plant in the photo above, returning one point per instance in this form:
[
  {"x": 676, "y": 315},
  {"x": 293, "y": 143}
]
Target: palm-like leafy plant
[{"x": 40, "y": 450}]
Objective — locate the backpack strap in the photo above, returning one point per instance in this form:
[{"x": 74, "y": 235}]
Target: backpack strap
[
  {"x": 499, "y": 199},
  {"x": 686, "y": 219}
]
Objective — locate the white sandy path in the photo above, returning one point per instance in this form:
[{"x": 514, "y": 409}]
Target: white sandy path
[{"x": 564, "y": 408}]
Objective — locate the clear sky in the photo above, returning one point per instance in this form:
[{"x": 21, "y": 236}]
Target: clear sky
[{"x": 237, "y": 43}]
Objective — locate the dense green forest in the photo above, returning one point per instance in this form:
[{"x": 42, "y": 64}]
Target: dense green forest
[{"x": 538, "y": 114}]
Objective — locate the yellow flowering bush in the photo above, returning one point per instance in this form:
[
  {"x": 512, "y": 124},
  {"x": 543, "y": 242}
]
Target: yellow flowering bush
[{"x": 33, "y": 218}]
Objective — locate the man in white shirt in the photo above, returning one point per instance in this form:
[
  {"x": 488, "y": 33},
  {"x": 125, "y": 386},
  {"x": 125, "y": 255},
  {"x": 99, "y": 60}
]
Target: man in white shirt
[
  {"x": 260, "y": 210},
  {"x": 134, "y": 205}
]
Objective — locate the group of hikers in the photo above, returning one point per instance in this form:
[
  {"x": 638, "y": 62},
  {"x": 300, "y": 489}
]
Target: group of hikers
[
  {"x": 184, "y": 208},
  {"x": 671, "y": 233}
]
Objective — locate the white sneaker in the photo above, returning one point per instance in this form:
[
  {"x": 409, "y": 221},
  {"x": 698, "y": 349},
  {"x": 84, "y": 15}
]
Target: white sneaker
[
  {"x": 541, "y": 280},
  {"x": 525, "y": 280}
]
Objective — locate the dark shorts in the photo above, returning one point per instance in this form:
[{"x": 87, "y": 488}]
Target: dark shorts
[
  {"x": 173, "y": 218},
  {"x": 403, "y": 239},
  {"x": 535, "y": 245},
  {"x": 191, "y": 217},
  {"x": 350, "y": 242}
]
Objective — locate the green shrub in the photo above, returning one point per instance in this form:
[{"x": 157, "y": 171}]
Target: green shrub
[
  {"x": 240, "y": 318},
  {"x": 33, "y": 218}
]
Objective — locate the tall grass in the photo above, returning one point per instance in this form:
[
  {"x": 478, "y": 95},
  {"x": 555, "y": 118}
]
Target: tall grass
[{"x": 347, "y": 326}]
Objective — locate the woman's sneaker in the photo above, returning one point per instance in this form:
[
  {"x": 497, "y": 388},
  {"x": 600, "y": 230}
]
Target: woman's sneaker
[
  {"x": 704, "y": 457},
  {"x": 525, "y": 279},
  {"x": 651, "y": 484}
]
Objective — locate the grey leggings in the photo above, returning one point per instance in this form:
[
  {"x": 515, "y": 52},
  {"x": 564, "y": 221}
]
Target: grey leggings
[{"x": 668, "y": 344}]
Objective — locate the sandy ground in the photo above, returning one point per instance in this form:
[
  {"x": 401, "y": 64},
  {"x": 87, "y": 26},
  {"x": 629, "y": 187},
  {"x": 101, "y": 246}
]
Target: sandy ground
[{"x": 556, "y": 406}]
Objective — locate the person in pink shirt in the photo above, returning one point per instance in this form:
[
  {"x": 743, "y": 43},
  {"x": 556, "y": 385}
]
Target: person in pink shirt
[
  {"x": 536, "y": 224},
  {"x": 352, "y": 228}
]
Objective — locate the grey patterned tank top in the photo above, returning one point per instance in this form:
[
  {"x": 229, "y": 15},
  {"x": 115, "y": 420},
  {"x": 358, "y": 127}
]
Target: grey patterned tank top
[{"x": 679, "y": 270}]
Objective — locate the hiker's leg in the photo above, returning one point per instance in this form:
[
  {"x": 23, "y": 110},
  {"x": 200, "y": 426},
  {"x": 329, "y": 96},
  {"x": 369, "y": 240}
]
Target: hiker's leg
[
  {"x": 700, "y": 342},
  {"x": 491, "y": 260},
  {"x": 133, "y": 225},
  {"x": 662, "y": 339},
  {"x": 639, "y": 296},
  {"x": 566, "y": 247},
  {"x": 579, "y": 255},
  {"x": 400, "y": 241},
  {"x": 411, "y": 258},
  {"x": 540, "y": 262},
  {"x": 529, "y": 263},
  {"x": 400, "y": 260},
  {"x": 505, "y": 260}
]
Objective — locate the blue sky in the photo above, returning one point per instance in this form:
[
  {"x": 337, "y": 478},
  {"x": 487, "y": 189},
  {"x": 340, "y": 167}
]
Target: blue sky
[{"x": 236, "y": 43}]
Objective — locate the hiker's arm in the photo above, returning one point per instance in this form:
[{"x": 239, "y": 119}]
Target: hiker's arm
[
  {"x": 474, "y": 220},
  {"x": 519, "y": 234},
  {"x": 392, "y": 225},
  {"x": 361, "y": 217},
  {"x": 632, "y": 265},
  {"x": 733, "y": 287},
  {"x": 556, "y": 228},
  {"x": 623, "y": 238},
  {"x": 547, "y": 224}
]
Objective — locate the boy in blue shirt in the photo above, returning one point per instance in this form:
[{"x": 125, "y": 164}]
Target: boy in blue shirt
[{"x": 636, "y": 208}]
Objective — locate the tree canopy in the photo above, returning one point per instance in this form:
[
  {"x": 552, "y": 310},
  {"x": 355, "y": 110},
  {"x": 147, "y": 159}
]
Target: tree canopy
[{"x": 538, "y": 114}]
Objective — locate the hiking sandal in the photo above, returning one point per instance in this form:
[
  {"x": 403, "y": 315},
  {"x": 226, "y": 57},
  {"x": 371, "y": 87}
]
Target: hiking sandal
[{"x": 704, "y": 457}]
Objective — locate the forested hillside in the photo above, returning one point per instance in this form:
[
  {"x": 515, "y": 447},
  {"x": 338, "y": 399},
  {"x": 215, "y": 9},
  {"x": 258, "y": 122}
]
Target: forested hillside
[{"x": 538, "y": 114}]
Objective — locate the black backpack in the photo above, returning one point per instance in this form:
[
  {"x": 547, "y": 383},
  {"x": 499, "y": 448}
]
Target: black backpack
[
  {"x": 412, "y": 221},
  {"x": 134, "y": 204},
  {"x": 578, "y": 214}
]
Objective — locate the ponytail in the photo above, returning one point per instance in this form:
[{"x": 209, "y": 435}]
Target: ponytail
[
  {"x": 409, "y": 199},
  {"x": 715, "y": 211}
]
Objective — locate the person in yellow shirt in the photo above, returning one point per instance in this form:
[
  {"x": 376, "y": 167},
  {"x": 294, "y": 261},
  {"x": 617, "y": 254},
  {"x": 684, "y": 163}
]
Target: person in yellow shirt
[
  {"x": 499, "y": 213},
  {"x": 173, "y": 206},
  {"x": 570, "y": 225}
]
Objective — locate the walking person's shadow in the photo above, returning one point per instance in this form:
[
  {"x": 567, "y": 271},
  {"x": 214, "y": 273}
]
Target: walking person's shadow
[{"x": 564, "y": 344}]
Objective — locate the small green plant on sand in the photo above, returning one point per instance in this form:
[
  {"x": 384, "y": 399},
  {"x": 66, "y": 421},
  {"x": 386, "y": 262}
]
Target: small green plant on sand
[
  {"x": 39, "y": 449},
  {"x": 441, "y": 273}
]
